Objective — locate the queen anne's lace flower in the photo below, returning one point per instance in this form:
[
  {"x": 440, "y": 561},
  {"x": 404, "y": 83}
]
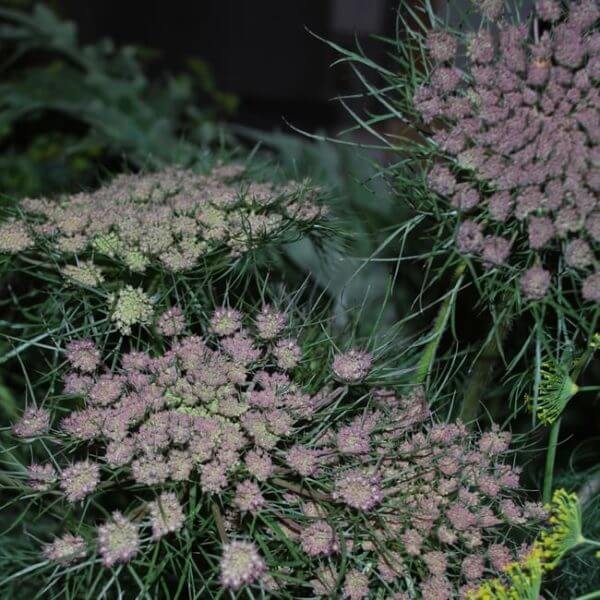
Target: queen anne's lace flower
[
  {"x": 519, "y": 134},
  {"x": 170, "y": 219}
]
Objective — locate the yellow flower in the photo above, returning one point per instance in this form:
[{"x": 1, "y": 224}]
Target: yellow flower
[{"x": 565, "y": 531}]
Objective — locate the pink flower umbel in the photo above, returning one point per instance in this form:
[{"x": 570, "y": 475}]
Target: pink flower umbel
[
  {"x": 287, "y": 353},
  {"x": 358, "y": 490},
  {"x": 83, "y": 355},
  {"x": 171, "y": 322},
  {"x": 248, "y": 497},
  {"x": 270, "y": 323},
  {"x": 66, "y": 549},
  {"x": 356, "y": 585},
  {"x": 318, "y": 539},
  {"x": 41, "y": 477},
  {"x": 352, "y": 366},
  {"x": 33, "y": 423},
  {"x": 118, "y": 540},
  {"x": 80, "y": 479},
  {"x": 241, "y": 564},
  {"x": 225, "y": 321},
  {"x": 166, "y": 515},
  {"x": 259, "y": 464}
]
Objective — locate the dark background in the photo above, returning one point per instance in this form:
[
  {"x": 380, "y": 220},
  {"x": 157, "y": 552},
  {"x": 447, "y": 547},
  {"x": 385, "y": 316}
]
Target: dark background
[{"x": 260, "y": 51}]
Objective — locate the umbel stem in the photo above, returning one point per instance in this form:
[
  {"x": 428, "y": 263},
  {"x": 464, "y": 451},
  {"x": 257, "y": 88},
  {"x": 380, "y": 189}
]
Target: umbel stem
[
  {"x": 555, "y": 429},
  {"x": 430, "y": 351},
  {"x": 482, "y": 369}
]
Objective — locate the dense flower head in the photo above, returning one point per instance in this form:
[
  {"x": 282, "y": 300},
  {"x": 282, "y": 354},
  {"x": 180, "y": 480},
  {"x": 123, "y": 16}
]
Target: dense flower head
[
  {"x": 80, "y": 479},
  {"x": 14, "y": 237},
  {"x": 166, "y": 515},
  {"x": 171, "y": 322},
  {"x": 83, "y": 355},
  {"x": 352, "y": 366},
  {"x": 379, "y": 482},
  {"x": 132, "y": 306},
  {"x": 118, "y": 540},
  {"x": 66, "y": 549},
  {"x": 41, "y": 477},
  {"x": 518, "y": 137},
  {"x": 86, "y": 273},
  {"x": 319, "y": 539},
  {"x": 33, "y": 422},
  {"x": 241, "y": 564},
  {"x": 170, "y": 219}
]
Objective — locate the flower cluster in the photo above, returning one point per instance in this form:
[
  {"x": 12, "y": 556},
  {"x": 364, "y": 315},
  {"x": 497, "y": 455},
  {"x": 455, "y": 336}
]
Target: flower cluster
[
  {"x": 171, "y": 219},
  {"x": 518, "y": 128},
  {"x": 382, "y": 483}
]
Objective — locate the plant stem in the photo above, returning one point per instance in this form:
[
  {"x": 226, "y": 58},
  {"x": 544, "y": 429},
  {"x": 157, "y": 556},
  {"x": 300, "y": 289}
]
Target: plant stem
[
  {"x": 555, "y": 429},
  {"x": 590, "y": 596},
  {"x": 219, "y": 521},
  {"x": 481, "y": 371},
  {"x": 550, "y": 456},
  {"x": 428, "y": 356}
]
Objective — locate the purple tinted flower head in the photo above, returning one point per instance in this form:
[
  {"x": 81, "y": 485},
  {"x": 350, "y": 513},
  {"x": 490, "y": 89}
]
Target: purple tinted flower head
[
  {"x": 118, "y": 540},
  {"x": 270, "y": 323},
  {"x": 578, "y": 254},
  {"x": 490, "y": 9},
  {"x": 83, "y": 355},
  {"x": 535, "y": 283},
  {"x": 441, "y": 180},
  {"x": 481, "y": 47},
  {"x": 287, "y": 353},
  {"x": 591, "y": 288},
  {"x": 318, "y": 539},
  {"x": 358, "y": 490},
  {"x": 65, "y": 549},
  {"x": 548, "y": 10},
  {"x": 305, "y": 461},
  {"x": 41, "y": 477},
  {"x": 225, "y": 321},
  {"x": 171, "y": 322},
  {"x": 352, "y": 366},
  {"x": 166, "y": 515},
  {"x": 33, "y": 423},
  {"x": 469, "y": 238},
  {"x": 442, "y": 46},
  {"x": 248, "y": 497},
  {"x": 241, "y": 564},
  {"x": 356, "y": 585},
  {"x": 259, "y": 464},
  {"x": 495, "y": 250},
  {"x": 80, "y": 479}
]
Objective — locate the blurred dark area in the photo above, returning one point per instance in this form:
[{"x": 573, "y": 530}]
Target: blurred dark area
[{"x": 261, "y": 52}]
